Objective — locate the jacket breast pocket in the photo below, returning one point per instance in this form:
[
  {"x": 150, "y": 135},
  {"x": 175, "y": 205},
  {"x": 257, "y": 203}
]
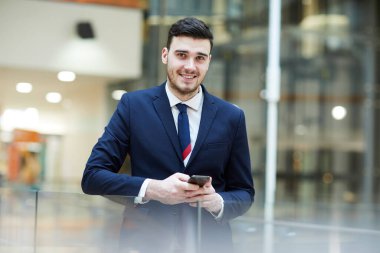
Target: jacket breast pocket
[
  {"x": 212, "y": 158},
  {"x": 216, "y": 152}
]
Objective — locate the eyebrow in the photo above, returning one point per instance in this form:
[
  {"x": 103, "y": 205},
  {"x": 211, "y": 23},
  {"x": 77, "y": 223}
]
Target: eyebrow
[{"x": 185, "y": 51}]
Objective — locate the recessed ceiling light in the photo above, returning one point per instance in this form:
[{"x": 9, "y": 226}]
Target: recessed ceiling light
[
  {"x": 117, "y": 94},
  {"x": 53, "y": 97},
  {"x": 24, "y": 87},
  {"x": 66, "y": 76}
]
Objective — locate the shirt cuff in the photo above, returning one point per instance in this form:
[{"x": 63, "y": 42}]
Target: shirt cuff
[
  {"x": 219, "y": 215},
  {"x": 139, "y": 199}
]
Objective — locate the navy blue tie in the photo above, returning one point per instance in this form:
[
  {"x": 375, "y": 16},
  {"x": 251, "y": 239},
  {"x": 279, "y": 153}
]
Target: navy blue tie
[{"x": 184, "y": 130}]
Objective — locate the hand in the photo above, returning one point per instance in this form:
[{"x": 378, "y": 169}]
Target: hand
[
  {"x": 206, "y": 197},
  {"x": 172, "y": 190}
]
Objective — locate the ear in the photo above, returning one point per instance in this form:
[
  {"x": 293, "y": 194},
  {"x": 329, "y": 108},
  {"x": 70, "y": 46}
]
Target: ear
[{"x": 164, "y": 55}]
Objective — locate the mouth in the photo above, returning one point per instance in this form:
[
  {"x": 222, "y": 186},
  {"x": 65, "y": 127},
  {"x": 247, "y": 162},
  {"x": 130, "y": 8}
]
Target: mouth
[{"x": 188, "y": 76}]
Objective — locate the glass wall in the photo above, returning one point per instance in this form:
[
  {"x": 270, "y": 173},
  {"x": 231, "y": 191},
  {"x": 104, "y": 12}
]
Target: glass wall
[{"x": 328, "y": 111}]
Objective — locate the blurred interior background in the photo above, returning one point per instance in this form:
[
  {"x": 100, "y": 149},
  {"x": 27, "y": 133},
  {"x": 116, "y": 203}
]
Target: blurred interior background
[{"x": 65, "y": 64}]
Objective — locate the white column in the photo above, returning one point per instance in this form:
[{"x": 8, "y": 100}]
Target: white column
[{"x": 272, "y": 95}]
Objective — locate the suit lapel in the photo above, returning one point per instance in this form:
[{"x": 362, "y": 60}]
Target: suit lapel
[
  {"x": 209, "y": 110},
  {"x": 162, "y": 106}
]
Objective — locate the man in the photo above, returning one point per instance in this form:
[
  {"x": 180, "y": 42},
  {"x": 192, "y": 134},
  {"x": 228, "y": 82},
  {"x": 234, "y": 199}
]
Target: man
[{"x": 152, "y": 128}]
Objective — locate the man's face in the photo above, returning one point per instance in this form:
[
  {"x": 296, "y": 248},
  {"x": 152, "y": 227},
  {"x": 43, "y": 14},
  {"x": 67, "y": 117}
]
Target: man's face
[{"x": 187, "y": 63}]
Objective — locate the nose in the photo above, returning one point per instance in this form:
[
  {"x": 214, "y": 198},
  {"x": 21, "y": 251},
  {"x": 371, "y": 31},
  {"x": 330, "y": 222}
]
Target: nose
[{"x": 190, "y": 64}]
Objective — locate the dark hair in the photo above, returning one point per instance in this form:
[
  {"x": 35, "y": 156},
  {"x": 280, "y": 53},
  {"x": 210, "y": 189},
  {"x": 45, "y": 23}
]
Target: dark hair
[{"x": 190, "y": 27}]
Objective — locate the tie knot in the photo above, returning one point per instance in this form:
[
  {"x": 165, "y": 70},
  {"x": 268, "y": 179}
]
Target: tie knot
[{"x": 182, "y": 107}]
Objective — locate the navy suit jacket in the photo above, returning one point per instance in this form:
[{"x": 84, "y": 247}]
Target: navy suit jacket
[{"x": 143, "y": 127}]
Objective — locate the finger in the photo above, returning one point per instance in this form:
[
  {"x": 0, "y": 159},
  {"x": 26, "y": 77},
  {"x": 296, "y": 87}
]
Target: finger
[
  {"x": 205, "y": 190},
  {"x": 182, "y": 177},
  {"x": 191, "y": 187},
  {"x": 203, "y": 204},
  {"x": 198, "y": 193},
  {"x": 199, "y": 198},
  {"x": 209, "y": 190},
  {"x": 208, "y": 183}
]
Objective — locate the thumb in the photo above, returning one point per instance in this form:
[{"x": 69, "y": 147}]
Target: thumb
[
  {"x": 182, "y": 177},
  {"x": 209, "y": 183}
]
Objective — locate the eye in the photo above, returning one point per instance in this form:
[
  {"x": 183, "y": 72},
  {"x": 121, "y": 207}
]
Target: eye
[
  {"x": 181, "y": 55},
  {"x": 201, "y": 58}
]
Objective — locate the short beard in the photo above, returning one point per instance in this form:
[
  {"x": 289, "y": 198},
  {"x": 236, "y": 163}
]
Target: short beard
[{"x": 187, "y": 94}]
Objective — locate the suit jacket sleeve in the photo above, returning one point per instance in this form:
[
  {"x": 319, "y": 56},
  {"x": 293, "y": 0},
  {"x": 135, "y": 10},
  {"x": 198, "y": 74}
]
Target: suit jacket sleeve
[
  {"x": 101, "y": 173},
  {"x": 239, "y": 193}
]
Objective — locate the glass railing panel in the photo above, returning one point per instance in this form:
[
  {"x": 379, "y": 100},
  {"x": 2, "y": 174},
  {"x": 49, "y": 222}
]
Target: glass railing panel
[
  {"x": 68, "y": 222},
  {"x": 73, "y": 222},
  {"x": 279, "y": 236},
  {"x": 17, "y": 220},
  {"x": 349, "y": 215},
  {"x": 308, "y": 228},
  {"x": 156, "y": 227}
]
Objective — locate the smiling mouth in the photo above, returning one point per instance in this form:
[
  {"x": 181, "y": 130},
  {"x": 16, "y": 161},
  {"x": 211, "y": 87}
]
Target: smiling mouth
[{"x": 188, "y": 77}]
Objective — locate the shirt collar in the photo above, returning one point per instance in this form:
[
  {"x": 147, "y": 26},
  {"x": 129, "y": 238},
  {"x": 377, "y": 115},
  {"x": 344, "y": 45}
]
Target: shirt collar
[{"x": 194, "y": 103}]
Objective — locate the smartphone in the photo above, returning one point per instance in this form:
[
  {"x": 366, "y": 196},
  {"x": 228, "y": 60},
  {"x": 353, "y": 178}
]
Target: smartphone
[{"x": 199, "y": 180}]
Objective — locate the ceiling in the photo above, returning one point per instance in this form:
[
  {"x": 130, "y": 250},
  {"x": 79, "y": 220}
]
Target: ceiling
[
  {"x": 45, "y": 80},
  {"x": 142, "y": 4}
]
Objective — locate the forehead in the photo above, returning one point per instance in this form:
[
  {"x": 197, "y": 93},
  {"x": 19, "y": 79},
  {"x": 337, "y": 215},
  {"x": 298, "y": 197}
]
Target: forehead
[{"x": 189, "y": 44}]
